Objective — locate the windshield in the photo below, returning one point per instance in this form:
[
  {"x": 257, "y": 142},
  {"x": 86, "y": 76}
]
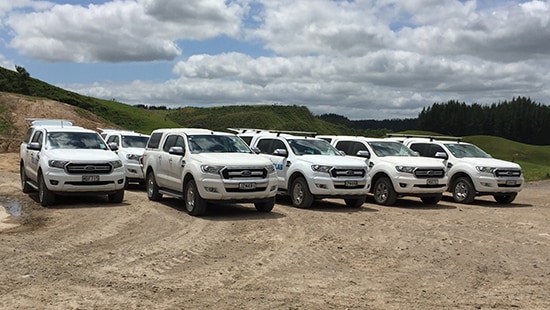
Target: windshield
[
  {"x": 75, "y": 140},
  {"x": 390, "y": 148},
  {"x": 461, "y": 150},
  {"x": 217, "y": 144},
  {"x": 134, "y": 141},
  {"x": 312, "y": 147}
]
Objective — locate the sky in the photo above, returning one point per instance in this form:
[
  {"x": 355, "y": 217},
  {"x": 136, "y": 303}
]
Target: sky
[{"x": 364, "y": 59}]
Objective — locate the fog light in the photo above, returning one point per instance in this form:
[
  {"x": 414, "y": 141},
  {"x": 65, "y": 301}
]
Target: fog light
[
  {"x": 403, "y": 185},
  {"x": 322, "y": 186},
  {"x": 120, "y": 181},
  {"x": 54, "y": 182},
  {"x": 132, "y": 170},
  {"x": 273, "y": 188},
  {"x": 211, "y": 189},
  {"x": 486, "y": 184}
]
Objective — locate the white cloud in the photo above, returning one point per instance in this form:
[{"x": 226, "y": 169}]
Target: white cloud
[
  {"x": 120, "y": 30},
  {"x": 361, "y": 59}
]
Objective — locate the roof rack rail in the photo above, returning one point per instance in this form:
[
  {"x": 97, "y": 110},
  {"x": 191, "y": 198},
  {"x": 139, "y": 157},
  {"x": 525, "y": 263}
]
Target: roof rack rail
[
  {"x": 278, "y": 132},
  {"x": 36, "y": 121},
  {"x": 431, "y": 137}
]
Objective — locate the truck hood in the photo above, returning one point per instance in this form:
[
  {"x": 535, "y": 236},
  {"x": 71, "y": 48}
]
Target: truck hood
[
  {"x": 82, "y": 155},
  {"x": 415, "y": 161},
  {"x": 132, "y": 150},
  {"x": 488, "y": 162},
  {"x": 232, "y": 159},
  {"x": 338, "y": 161}
]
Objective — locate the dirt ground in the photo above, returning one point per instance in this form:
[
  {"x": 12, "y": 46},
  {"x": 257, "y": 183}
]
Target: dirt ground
[{"x": 85, "y": 253}]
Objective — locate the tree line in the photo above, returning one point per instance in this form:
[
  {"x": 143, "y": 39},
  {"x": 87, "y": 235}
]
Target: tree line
[{"x": 520, "y": 119}]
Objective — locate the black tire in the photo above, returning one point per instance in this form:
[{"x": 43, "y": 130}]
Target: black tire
[
  {"x": 355, "y": 202},
  {"x": 194, "y": 203},
  {"x": 300, "y": 195},
  {"x": 463, "y": 190},
  {"x": 116, "y": 197},
  {"x": 25, "y": 187},
  {"x": 506, "y": 198},
  {"x": 45, "y": 196},
  {"x": 383, "y": 191},
  {"x": 152, "y": 188},
  {"x": 265, "y": 206},
  {"x": 431, "y": 200}
]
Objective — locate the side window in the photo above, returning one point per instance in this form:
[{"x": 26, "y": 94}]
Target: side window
[
  {"x": 426, "y": 149},
  {"x": 344, "y": 146},
  {"x": 28, "y": 134},
  {"x": 356, "y": 147},
  {"x": 277, "y": 144},
  {"x": 37, "y": 138},
  {"x": 169, "y": 142},
  {"x": 264, "y": 146},
  {"x": 434, "y": 148},
  {"x": 113, "y": 139},
  {"x": 154, "y": 140}
]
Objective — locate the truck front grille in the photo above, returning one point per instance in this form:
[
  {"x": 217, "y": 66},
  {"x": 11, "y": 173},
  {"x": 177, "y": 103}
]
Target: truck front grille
[
  {"x": 347, "y": 172},
  {"x": 507, "y": 173},
  {"x": 429, "y": 173},
  {"x": 89, "y": 168},
  {"x": 244, "y": 173}
]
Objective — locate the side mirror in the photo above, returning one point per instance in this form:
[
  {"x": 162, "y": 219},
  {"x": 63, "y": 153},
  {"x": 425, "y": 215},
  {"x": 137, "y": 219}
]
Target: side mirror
[
  {"x": 256, "y": 150},
  {"x": 280, "y": 152},
  {"x": 113, "y": 146},
  {"x": 34, "y": 146},
  {"x": 176, "y": 150},
  {"x": 365, "y": 154},
  {"x": 441, "y": 155}
]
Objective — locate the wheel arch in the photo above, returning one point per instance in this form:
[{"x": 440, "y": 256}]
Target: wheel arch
[{"x": 376, "y": 177}]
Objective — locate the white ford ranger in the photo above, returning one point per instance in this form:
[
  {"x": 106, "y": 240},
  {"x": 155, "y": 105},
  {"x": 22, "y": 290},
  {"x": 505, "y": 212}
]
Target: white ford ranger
[
  {"x": 57, "y": 158},
  {"x": 200, "y": 165},
  {"x": 395, "y": 170},
  {"x": 130, "y": 146},
  {"x": 472, "y": 172},
  {"x": 309, "y": 168}
]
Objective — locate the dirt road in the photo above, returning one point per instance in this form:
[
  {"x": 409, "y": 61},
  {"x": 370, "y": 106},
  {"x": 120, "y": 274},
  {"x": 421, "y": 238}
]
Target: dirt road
[{"x": 88, "y": 254}]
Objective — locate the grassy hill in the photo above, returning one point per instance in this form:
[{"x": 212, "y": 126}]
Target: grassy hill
[{"x": 534, "y": 159}]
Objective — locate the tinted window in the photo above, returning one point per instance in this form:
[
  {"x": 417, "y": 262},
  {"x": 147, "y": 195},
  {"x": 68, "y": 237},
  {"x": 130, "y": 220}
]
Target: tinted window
[
  {"x": 344, "y": 146},
  {"x": 426, "y": 149},
  {"x": 154, "y": 141},
  {"x": 170, "y": 141}
]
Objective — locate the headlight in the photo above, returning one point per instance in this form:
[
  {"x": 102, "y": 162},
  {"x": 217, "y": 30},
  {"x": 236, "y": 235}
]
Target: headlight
[
  {"x": 270, "y": 169},
  {"x": 210, "y": 169},
  {"x": 490, "y": 170},
  {"x": 405, "y": 169},
  {"x": 116, "y": 163},
  {"x": 57, "y": 163},
  {"x": 133, "y": 157},
  {"x": 321, "y": 168}
]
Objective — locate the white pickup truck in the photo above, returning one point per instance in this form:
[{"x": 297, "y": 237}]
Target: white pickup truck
[
  {"x": 309, "y": 168},
  {"x": 130, "y": 146},
  {"x": 395, "y": 170},
  {"x": 57, "y": 158},
  {"x": 200, "y": 166},
  {"x": 472, "y": 172}
]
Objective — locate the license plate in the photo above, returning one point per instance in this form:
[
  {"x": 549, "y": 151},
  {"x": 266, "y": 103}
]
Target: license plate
[
  {"x": 432, "y": 181},
  {"x": 350, "y": 183},
  {"x": 90, "y": 178},
  {"x": 511, "y": 182},
  {"x": 247, "y": 186}
]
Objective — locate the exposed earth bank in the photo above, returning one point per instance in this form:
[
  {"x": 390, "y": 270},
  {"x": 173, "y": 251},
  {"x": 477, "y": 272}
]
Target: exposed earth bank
[{"x": 85, "y": 253}]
